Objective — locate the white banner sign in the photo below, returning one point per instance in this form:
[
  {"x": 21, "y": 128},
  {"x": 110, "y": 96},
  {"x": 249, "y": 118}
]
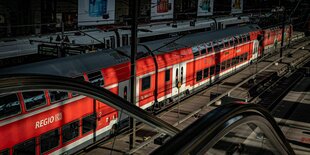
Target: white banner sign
[
  {"x": 236, "y": 6},
  {"x": 162, "y": 9},
  {"x": 96, "y": 12},
  {"x": 205, "y": 7}
]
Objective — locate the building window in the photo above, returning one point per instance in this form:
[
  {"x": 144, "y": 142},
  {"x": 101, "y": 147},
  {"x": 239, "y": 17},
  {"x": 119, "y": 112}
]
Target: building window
[
  {"x": 199, "y": 76},
  {"x": 49, "y": 140},
  {"x": 34, "y": 99},
  {"x": 88, "y": 123},
  {"x": 96, "y": 79},
  {"x": 206, "y": 73},
  {"x": 57, "y": 96},
  {"x": 146, "y": 83},
  {"x": 167, "y": 75},
  {"x": 27, "y": 147},
  {"x": 9, "y": 105},
  {"x": 70, "y": 131}
]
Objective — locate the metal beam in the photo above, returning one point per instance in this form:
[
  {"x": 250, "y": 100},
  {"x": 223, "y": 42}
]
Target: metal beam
[{"x": 134, "y": 42}]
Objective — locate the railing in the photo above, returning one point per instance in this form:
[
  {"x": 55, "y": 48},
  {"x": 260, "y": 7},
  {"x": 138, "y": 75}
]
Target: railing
[{"x": 206, "y": 132}]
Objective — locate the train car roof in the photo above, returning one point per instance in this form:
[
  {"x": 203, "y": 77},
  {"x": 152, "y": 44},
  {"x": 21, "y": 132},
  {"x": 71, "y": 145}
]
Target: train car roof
[
  {"x": 72, "y": 66},
  {"x": 167, "y": 45}
]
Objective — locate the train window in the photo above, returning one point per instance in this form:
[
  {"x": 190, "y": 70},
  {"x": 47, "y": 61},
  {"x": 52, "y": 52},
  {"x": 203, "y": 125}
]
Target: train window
[
  {"x": 221, "y": 45},
  {"x": 217, "y": 68},
  {"x": 228, "y": 63},
  {"x": 226, "y": 44},
  {"x": 212, "y": 70},
  {"x": 27, "y": 147},
  {"x": 112, "y": 38},
  {"x": 176, "y": 77},
  {"x": 223, "y": 65},
  {"x": 125, "y": 92},
  {"x": 231, "y": 42},
  {"x": 209, "y": 49},
  {"x": 49, "y": 140},
  {"x": 246, "y": 56},
  {"x": 70, "y": 131},
  {"x": 57, "y": 96},
  {"x": 203, "y": 51},
  {"x": 206, "y": 73},
  {"x": 96, "y": 79},
  {"x": 248, "y": 38},
  {"x": 146, "y": 83},
  {"x": 125, "y": 39},
  {"x": 195, "y": 51},
  {"x": 34, "y": 99},
  {"x": 5, "y": 152},
  {"x": 167, "y": 75},
  {"x": 182, "y": 74},
  {"x": 9, "y": 105},
  {"x": 216, "y": 48},
  {"x": 241, "y": 58},
  {"x": 199, "y": 76},
  {"x": 88, "y": 123}
]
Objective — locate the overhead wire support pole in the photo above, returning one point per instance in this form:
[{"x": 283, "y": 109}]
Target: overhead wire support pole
[
  {"x": 134, "y": 41},
  {"x": 283, "y": 31}
]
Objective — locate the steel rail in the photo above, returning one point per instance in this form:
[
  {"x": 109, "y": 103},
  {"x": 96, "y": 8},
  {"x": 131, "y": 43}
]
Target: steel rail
[{"x": 30, "y": 82}]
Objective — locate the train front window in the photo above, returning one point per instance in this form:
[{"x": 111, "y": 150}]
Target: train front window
[
  {"x": 49, "y": 140},
  {"x": 70, "y": 131},
  {"x": 34, "y": 99},
  {"x": 56, "y": 96},
  {"x": 27, "y": 147},
  {"x": 96, "y": 79},
  {"x": 9, "y": 105},
  {"x": 88, "y": 124}
]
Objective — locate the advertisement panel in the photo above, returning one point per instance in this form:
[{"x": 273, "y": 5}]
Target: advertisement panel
[
  {"x": 236, "y": 6},
  {"x": 162, "y": 9},
  {"x": 205, "y": 7},
  {"x": 96, "y": 12}
]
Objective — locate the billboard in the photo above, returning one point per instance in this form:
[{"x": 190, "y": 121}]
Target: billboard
[
  {"x": 96, "y": 12},
  {"x": 162, "y": 9},
  {"x": 236, "y": 6},
  {"x": 205, "y": 7}
]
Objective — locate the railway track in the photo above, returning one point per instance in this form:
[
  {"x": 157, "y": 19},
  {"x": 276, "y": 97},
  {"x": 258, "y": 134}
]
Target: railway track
[{"x": 182, "y": 115}]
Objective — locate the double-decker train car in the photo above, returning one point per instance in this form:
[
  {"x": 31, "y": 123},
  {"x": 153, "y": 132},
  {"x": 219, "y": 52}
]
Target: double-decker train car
[
  {"x": 273, "y": 38},
  {"x": 54, "y": 122}
]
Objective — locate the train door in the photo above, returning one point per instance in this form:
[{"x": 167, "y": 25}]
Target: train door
[
  {"x": 255, "y": 49},
  {"x": 124, "y": 90},
  {"x": 179, "y": 78}
]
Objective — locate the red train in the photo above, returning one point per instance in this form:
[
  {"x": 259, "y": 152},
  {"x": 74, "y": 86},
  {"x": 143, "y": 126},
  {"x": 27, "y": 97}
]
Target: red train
[{"x": 53, "y": 122}]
